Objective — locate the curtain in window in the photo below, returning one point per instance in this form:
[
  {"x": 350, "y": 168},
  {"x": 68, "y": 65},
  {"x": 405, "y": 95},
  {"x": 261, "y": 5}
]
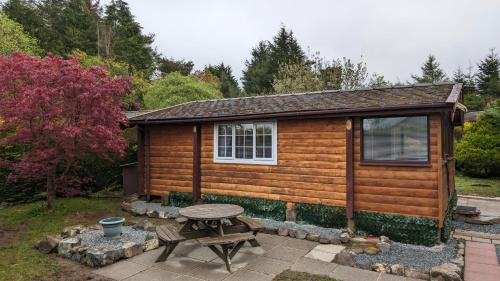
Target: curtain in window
[{"x": 395, "y": 138}]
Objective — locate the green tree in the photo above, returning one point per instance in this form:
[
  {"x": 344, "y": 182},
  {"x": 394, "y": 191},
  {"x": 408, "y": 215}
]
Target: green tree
[
  {"x": 478, "y": 152},
  {"x": 431, "y": 72},
  {"x": 14, "y": 38},
  {"x": 169, "y": 65},
  {"x": 228, "y": 84},
  {"x": 354, "y": 74},
  {"x": 472, "y": 100},
  {"x": 487, "y": 78},
  {"x": 378, "y": 81},
  {"x": 128, "y": 44},
  {"x": 296, "y": 78},
  {"x": 266, "y": 59},
  {"x": 139, "y": 84},
  {"x": 176, "y": 88},
  {"x": 59, "y": 25}
]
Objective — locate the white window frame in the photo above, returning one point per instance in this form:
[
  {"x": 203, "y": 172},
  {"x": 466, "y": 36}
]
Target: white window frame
[{"x": 255, "y": 160}]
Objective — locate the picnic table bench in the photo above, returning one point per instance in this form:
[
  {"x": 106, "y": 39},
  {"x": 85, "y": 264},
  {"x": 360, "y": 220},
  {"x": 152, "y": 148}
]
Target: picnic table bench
[{"x": 212, "y": 225}]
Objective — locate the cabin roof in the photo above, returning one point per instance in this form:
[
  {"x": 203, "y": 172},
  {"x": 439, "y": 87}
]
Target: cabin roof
[{"x": 298, "y": 104}]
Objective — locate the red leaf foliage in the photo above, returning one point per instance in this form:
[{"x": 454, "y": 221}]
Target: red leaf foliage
[{"x": 59, "y": 111}]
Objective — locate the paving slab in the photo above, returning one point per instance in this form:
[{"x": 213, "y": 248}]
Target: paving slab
[
  {"x": 154, "y": 274},
  {"x": 392, "y": 277},
  {"x": 212, "y": 271},
  {"x": 346, "y": 273},
  {"x": 325, "y": 252},
  {"x": 181, "y": 265},
  {"x": 147, "y": 258},
  {"x": 240, "y": 260},
  {"x": 246, "y": 275},
  {"x": 481, "y": 262},
  {"x": 313, "y": 266},
  {"x": 268, "y": 265},
  {"x": 121, "y": 270},
  {"x": 285, "y": 253},
  {"x": 299, "y": 244},
  {"x": 247, "y": 249},
  {"x": 188, "y": 278}
]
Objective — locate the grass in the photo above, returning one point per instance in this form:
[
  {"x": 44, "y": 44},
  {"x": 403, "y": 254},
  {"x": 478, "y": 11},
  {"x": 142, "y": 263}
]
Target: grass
[
  {"x": 477, "y": 186},
  {"x": 29, "y": 223},
  {"x": 290, "y": 275}
]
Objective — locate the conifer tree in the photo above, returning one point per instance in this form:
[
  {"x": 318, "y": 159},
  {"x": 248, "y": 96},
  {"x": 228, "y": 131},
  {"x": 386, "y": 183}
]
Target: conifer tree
[
  {"x": 472, "y": 100},
  {"x": 431, "y": 72},
  {"x": 228, "y": 84},
  {"x": 487, "y": 78}
]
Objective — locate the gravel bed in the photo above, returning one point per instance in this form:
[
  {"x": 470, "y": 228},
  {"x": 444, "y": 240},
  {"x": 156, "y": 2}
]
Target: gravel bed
[
  {"x": 329, "y": 233},
  {"x": 419, "y": 257},
  {"x": 143, "y": 205},
  {"x": 492, "y": 228},
  {"x": 95, "y": 238}
]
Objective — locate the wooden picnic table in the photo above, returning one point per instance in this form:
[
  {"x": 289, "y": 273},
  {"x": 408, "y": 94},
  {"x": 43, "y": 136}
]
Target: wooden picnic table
[{"x": 212, "y": 225}]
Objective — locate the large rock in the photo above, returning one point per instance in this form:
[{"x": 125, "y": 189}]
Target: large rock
[
  {"x": 312, "y": 237},
  {"x": 324, "y": 240},
  {"x": 381, "y": 267},
  {"x": 398, "y": 269},
  {"x": 292, "y": 233},
  {"x": 363, "y": 242},
  {"x": 371, "y": 250},
  {"x": 73, "y": 230},
  {"x": 446, "y": 272},
  {"x": 415, "y": 273},
  {"x": 139, "y": 212},
  {"x": 112, "y": 255},
  {"x": 300, "y": 234},
  {"x": 144, "y": 225},
  {"x": 66, "y": 246},
  {"x": 152, "y": 213},
  {"x": 131, "y": 249},
  {"x": 282, "y": 231},
  {"x": 384, "y": 239},
  {"x": 344, "y": 258},
  {"x": 150, "y": 244},
  {"x": 344, "y": 237},
  {"x": 126, "y": 207},
  {"x": 94, "y": 258},
  {"x": 49, "y": 244},
  {"x": 383, "y": 246}
]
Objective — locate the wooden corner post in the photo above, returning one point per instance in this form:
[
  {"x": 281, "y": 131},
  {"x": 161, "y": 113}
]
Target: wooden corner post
[
  {"x": 196, "y": 163},
  {"x": 147, "y": 160},
  {"x": 349, "y": 159}
]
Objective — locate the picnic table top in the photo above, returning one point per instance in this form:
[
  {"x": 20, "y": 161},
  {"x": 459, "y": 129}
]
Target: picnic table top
[{"x": 211, "y": 211}]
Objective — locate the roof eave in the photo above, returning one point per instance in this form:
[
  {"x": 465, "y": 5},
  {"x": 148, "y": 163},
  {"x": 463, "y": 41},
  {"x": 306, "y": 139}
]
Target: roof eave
[{"x": 357, "y": 112}]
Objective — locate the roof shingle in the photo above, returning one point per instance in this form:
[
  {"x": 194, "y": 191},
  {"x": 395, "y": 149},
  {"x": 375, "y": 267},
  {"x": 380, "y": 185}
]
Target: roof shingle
[{"x": 376, "y": 99}]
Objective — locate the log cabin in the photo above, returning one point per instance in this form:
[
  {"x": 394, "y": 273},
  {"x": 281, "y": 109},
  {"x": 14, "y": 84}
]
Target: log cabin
[{"x": 385, "y": 150}]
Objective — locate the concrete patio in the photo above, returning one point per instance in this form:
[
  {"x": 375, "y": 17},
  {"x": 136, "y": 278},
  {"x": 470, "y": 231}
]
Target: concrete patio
[{"x": 191, "y": 262}]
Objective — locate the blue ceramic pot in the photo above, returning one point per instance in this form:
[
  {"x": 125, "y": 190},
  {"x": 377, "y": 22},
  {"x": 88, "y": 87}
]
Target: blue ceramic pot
[{"x": 112, "y": 226}]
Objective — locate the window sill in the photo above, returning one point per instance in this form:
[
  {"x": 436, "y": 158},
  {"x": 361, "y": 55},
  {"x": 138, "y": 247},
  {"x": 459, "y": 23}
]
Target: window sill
[
  {"x": 395, "y": 163},
  {"x": 246, "y": 161}
]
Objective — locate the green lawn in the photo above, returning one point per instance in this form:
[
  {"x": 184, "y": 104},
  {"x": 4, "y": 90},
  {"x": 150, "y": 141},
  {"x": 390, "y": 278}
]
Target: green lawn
[
  {"x": 24, "y": 225},
  {"x": 476, "y": 186},
  {"x": 289, "y": 275}
]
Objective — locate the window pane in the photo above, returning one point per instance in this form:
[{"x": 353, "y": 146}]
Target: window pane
[
  {"x": 395, "y": 138},
  {"x": 225, "y": 141},
  {"x": 264, "y": 138},
  {"x": 244, "y": 141}
]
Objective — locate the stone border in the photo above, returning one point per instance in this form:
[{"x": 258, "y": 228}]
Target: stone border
[{"x": 69, "y": 245}]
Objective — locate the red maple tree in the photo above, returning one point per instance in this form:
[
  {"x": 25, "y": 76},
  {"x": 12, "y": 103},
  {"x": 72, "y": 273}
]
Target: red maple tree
[{"x": 58, "y": 112}]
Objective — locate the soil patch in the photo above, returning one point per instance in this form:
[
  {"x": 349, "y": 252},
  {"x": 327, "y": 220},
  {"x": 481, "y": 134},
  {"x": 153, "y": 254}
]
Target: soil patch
[
  {"x": 90, "y": 216},
  {"x": 290, "y": 275},
  {"x": 72, "y": 271},
  {"x": 8, "y": 237}
]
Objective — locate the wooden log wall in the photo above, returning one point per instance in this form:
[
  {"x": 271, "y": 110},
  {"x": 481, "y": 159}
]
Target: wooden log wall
[
  {"x": 171, "y": 158},
  {"x": 311, "y": 166},
  {"x": 397, "y": 189}
]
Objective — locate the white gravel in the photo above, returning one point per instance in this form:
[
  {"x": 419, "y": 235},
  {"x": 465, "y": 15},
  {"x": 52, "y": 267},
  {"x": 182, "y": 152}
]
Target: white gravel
[
  {"x": 143, "y": 205},
  {"x": 328, "y": 233},
  {"x": 420, "y": 257},
  {"x": 95, "y": 238},
  {"x": 492, "y": 228}
]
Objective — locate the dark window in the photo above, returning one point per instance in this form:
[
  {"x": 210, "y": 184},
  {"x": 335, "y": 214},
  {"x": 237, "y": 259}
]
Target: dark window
[{"x": 396, "y": 139}]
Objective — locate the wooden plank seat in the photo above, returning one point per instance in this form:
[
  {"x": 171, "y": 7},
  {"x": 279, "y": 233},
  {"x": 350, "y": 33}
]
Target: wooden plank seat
[
  {"x": 234, "y": 240},
  {"x": 171, "y": 237},
  {"x": 254, "y": 225}
]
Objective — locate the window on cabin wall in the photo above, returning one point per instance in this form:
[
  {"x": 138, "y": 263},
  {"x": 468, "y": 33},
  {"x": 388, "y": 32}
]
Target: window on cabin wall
[
  {"x": 246, "y": 142},
  {"x": 402, "y": 139}
]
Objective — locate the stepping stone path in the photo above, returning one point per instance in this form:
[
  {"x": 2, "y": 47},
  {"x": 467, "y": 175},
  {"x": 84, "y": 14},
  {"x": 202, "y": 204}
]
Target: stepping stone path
[{"x": 481, "y": 262}]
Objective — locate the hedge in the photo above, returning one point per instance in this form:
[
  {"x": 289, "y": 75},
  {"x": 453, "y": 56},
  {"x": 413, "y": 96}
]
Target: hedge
[
  {"x": 406, "y": 229},
  {"x": 321, "y": 215},
  {"x": 254, "y": 207},
  {"x": 180, "y": 199}
]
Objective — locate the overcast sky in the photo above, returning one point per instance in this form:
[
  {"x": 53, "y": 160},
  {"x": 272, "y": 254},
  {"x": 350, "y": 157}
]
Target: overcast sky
[{"x": 394, "y": 37}]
